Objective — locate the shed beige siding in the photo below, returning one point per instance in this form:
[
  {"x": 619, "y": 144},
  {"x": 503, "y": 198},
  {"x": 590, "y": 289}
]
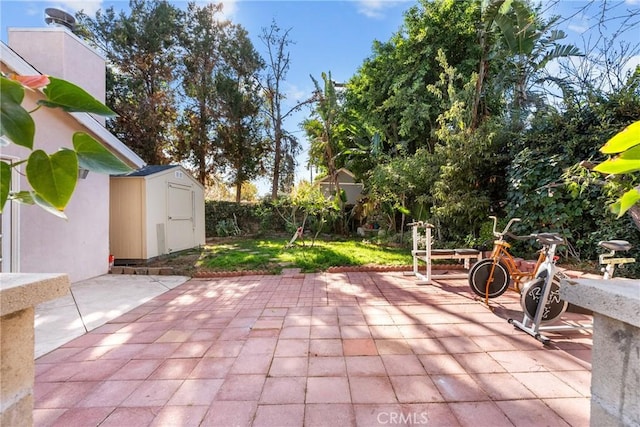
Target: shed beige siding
[{"x": 127, "y": 229}]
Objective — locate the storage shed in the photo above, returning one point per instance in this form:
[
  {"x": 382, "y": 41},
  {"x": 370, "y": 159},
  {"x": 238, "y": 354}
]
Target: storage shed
[
  {"x": 347, "y": 181},
  {"x": 155, "y": 210}
]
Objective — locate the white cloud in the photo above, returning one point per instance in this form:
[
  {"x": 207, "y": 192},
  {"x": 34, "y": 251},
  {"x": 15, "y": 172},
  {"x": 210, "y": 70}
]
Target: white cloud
[
  {"x": 90, "y": 7},
  {"x": 375, "y": 8},
  {"x": 632, "y": 2}
]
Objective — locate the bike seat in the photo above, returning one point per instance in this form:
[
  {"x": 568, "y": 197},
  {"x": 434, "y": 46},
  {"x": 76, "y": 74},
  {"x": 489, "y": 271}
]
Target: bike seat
[
  {"x": 616, "y": 245},
  {"x": 550, "y": 238}
]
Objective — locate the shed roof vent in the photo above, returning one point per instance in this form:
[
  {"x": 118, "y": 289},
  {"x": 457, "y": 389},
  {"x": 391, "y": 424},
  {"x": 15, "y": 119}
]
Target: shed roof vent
[{"x": 58, "y": 17}]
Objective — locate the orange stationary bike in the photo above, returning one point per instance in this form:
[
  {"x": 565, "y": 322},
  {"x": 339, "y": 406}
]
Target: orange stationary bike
[{"x": 490, "y": 277}]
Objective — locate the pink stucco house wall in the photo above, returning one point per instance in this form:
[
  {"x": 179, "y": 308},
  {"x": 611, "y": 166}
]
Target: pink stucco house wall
[{"x": 32, "y": 239}]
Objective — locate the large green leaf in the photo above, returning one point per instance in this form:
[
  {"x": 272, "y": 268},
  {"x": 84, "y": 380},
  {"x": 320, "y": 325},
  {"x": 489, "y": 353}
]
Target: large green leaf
[
  {"x": 53, "y": 177},
  {"x": 623, "y": 140},
  {"x": 63, "y": 94},
  {"x": 95, "y": 157},
  {"x": 626, "y": 202},
  {"x": 47, "y": 206},
  {"x": 5, "y": 183},
  {"x": 15, "y": 122},
  {"x": 628, "y": 161}
]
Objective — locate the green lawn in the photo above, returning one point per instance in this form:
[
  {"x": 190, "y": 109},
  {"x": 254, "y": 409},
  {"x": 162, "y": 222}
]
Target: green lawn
[{"x": 271, "y": 255}]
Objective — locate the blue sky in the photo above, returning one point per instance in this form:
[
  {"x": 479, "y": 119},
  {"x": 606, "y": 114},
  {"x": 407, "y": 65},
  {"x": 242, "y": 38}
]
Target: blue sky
[{"x": 333, "y": 35}]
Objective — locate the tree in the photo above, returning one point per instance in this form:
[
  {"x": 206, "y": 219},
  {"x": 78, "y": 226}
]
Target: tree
[
  {"x": 141, "y": 51},
  {"x": 201, "y": 41},
  {"x": 284, "y": 144},
  {"x": 320, "y": 129},
  {"x": 239, "y": 131}
]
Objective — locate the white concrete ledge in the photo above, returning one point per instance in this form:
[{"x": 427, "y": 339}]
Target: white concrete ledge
[
  {"x": 618, "y": 299},
  {"x": 19, "y": 291}
]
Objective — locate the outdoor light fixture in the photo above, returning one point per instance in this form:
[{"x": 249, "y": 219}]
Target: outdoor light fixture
[{"x": 82, "y": 173}]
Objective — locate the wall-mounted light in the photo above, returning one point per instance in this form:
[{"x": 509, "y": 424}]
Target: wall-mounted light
[{"x": 82, "y": 173}]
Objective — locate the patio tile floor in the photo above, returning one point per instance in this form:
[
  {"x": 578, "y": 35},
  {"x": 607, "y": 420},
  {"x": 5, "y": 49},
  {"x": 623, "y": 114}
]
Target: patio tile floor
[{"x": 340, "y": 349}]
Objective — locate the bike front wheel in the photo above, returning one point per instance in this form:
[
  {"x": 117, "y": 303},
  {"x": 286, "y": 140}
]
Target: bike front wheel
[
  {"x": 485, "y": 286},
  {"x": 530, "y": 299}
]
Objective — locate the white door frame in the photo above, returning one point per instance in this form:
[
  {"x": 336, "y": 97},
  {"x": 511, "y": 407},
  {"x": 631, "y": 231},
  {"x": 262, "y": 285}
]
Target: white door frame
[{"x": 10, "y": 250}]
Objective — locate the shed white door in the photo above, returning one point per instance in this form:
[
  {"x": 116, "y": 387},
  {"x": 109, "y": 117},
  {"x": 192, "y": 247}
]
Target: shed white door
[{"x": 181, "y": 217}]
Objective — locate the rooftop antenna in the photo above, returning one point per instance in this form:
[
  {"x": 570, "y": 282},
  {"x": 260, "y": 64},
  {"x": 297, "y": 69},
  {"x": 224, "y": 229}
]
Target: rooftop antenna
[{"x": 59, "y": 18}]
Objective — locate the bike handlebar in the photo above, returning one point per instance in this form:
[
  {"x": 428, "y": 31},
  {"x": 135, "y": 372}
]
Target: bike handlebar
[{"x": 506, "y": 228}]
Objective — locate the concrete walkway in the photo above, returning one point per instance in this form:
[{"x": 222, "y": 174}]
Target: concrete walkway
[
  {"x": 342, "y": 349},
  {"x": 92, "y": 303}
]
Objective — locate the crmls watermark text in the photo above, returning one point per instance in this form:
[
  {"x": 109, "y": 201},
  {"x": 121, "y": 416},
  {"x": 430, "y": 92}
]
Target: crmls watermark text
[{"x": 410, "y": 418}]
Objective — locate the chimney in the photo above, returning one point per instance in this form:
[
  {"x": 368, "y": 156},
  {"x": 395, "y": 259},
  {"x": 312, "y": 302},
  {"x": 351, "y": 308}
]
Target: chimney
[{"x": 54, "y": 50}]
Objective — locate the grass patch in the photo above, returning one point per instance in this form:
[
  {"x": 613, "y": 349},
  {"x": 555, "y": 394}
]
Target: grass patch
[{"x": 271, "y": 255}]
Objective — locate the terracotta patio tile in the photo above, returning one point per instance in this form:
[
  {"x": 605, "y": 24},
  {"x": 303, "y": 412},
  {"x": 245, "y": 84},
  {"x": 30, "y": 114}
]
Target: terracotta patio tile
[
  {"x": 283, "y": 390},
  {"x": 175, "y": 336},
  {"x": 295, "y": 320},
  {"x": 545, "y": 385},
  {"x": 370, "y": 415},
  {"x": 478, "y": 363},
  {"x": 93, "y": 353},
  {"x": 328, "y": 347},
  {"x": 192, "y": 349},
  {"x": 204, "y": 335},
  {"x": 291, "y": 332},
  {"x": 58, "y": 355},
  {"x": 393, "y": 346},
  {"x": 402, "y": 364},
  {"x": 575, "y": 411},
  {"x": 493, "y": 343},
  {"x": 224, "y": 349},
  {"x": 329, "y": 414},
  {"x": 578, "y": 380},
  {"x": 415, "y": 388},
  {"x": 232, "y": 334},
  {"x": 385, "y": 331},
  {"x": 258, "y": 346},
  {"x": 152, "y": 393},
  {"x": 288, "y": 367},
  {"x": 66, "y": 394},
  {"x": 502, "y": 386},
  {"x": 471, "y": 413},
  {"x": 158, "y": 351},
  {"x": 415, "y": 331},
  {"x": 96, "y": 370},
  {"x": 517, "y": 361},
  {"x": 459, "y": 345},
  {"x": 196, "y": 392},
  {"x": 230, "y": 413},
  {"x": 365, "y": 366},
  {"x": 136, "y": 369},
  {"x": 328, "y": 390},
  {"x": 459, "y": 388},
  {"x": 330, "y": 366},
  {"x": 351, "y": 320},
  {"x": 324, "y": 331},
  {"x": 76, "y": 417},
  {"x": 279, "y": 416},
  {"x": 123, "y": 351},
  {"x": 174, "y": 369},
  {"x": 139, "y": 417},
  {"x": 109, "y": 393},
  {"x": 431, "y": 414},
  {"x": 371, "y": 390},
  {"x": 292, "y": 348},
  {"x": 425, "y": 346},
  {"x": 355, "y": 331},
  {"x": 359, "y": 347},
  {"x": 524, "y": 413},
  {"x": 251, "y": 364},
  {"x": 183, "y": 416},
  {"x": 241, "y": 387}
]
